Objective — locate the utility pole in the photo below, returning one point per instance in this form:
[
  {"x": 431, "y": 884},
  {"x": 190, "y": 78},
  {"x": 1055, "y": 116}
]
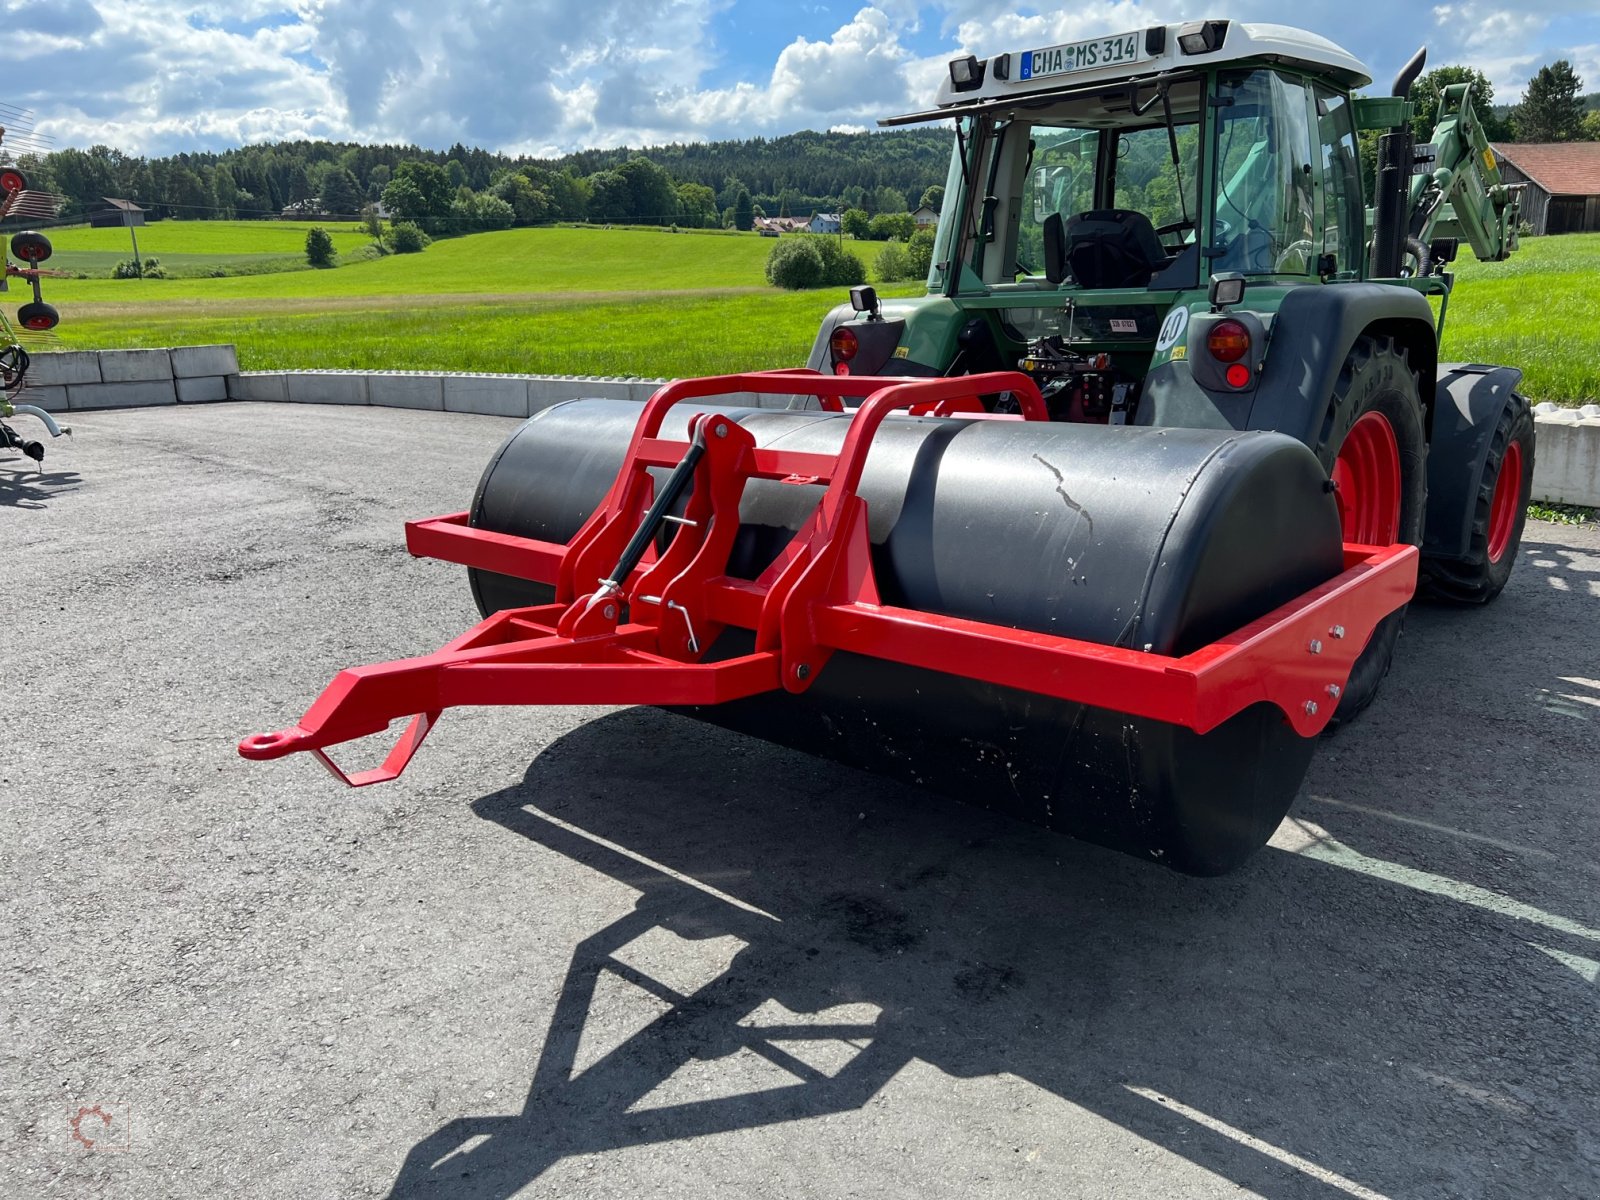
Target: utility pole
[{"x": 138, "y": 265}]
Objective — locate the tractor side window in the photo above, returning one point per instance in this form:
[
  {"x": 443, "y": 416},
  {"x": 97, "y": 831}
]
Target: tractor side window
[
  {"x": 1343, "y": 212},
  {"x": 1265, "y": 202}
]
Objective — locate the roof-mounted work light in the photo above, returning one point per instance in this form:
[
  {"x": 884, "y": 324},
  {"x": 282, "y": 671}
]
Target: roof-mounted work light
[
  {"x": 1202, "y": 37},
  {"x": 966, "y": 74}
]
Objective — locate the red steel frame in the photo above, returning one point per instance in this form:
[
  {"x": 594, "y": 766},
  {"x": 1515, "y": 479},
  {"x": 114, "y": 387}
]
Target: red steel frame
[{"x": 641, "y": 641}]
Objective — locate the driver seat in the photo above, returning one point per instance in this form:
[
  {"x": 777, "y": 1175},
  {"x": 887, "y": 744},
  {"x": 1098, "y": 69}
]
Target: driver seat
[{"x": 1105, "y": 248}]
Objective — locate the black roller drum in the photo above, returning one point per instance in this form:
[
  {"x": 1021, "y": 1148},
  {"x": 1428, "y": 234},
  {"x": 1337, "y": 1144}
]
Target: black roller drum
[{"x": 1156, "y": 539}]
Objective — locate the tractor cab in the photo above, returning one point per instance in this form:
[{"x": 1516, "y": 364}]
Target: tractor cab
[{"x": 1096, "y": 188}]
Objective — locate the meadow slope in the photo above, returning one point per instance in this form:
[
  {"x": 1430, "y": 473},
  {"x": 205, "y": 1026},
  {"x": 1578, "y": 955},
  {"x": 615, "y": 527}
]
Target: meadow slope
[{"x": 648, "y": 302}]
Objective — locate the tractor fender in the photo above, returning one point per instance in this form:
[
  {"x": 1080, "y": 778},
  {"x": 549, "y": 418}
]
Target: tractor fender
[
  {"x": 1468, "y": 401},
  {"x": 1309, "y": 338}
]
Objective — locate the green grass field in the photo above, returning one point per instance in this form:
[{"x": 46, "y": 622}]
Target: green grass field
[
  {"x": 1538, "y": 310},
  {"x": 645, "y": 302},
  {"x": 199, "y": 248}
]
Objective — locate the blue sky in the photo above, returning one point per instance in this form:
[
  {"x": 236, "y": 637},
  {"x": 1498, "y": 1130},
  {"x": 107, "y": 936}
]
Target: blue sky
[{"x": 545, "y": 76}]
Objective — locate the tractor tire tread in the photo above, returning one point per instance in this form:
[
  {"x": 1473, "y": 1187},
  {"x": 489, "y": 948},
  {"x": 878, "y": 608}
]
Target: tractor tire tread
[
  {"x": 1353, "y": 396},
  {"x": 1475, "y": 580}
]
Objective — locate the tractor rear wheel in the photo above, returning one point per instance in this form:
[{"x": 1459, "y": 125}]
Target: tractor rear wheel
[
  {"x": 1500, "y": 509},
  {"x": 1374, "y": 452}
]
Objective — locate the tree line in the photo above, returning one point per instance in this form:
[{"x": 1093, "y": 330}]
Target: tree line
[{"x": 704, "y": 185}]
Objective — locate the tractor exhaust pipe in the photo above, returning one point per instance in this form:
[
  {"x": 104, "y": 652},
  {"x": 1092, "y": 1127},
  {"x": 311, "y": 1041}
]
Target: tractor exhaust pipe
[
  {"x": 1392, "y": 189},
  {"x": 1409, "y": 73}
]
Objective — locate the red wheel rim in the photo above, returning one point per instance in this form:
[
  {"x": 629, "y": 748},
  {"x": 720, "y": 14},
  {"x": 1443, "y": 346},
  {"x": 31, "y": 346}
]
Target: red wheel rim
[
  {"x": 1366, "y": 477},
  {"x": 1503, "y": 508},
  {"x": 11, "y": 181},
  {"x": 40, "y": 323}
]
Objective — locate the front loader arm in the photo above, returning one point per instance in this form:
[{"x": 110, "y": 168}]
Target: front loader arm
[{"x": 1464, "y": 196}]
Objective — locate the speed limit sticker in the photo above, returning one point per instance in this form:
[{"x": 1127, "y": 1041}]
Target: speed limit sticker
[{"x": 1172, "y": 329}]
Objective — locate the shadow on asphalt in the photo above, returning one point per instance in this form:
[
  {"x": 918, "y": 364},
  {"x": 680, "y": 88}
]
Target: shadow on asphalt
[
  {"x": 1320, "y": 1030},
  {"x": 27, "y": 488}
]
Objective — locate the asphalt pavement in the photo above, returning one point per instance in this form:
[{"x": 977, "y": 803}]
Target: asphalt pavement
[{"x": 617, "y": 953}]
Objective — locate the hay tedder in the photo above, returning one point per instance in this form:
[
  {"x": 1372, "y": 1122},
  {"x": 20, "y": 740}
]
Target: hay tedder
[
  {"x": 1102, "y": 531},
  {"x": 35, "y": 317}
]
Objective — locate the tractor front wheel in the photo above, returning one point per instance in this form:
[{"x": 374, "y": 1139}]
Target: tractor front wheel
[
  {"x": 1375, "y": 454},
  {"x": 1500, "y": 509}
]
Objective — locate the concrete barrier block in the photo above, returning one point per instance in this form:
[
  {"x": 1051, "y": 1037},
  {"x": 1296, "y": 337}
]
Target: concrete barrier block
[
  {"x": 201, "y": 390},
  {"x": 1567, "y": 459},
  {"x": 134, "y": 366},
  {"x": 191, "y": 362},
  {"x": 606, "y": 389},
  {"x": 51, "y": 399},
  {"x": 141, "y": 393},
  {"x": 491, "y": 395},
  {"x": 258, "y": 385},
  {"x": 65, "y": 367},
  {"x": 544, "y": 390},
  {"x": 393, "y": 389},
  {"x": 642, "y": 389},
  {"x": 326, "y": 387}
]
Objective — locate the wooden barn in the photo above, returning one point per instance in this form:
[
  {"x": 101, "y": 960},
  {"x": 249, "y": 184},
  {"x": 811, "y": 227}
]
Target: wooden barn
[{"x": 1563, "y": 183}]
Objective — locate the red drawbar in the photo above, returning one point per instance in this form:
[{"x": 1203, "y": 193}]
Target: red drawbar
[{"x": 639, "y": 640}]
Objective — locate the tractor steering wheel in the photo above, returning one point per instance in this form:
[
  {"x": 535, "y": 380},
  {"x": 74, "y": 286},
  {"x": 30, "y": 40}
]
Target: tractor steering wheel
[{"x": 1176, "y": 227}]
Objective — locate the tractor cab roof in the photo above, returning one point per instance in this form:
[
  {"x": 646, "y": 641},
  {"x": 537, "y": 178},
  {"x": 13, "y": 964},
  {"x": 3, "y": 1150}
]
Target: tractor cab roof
[{"x": 1021, "y": 78}]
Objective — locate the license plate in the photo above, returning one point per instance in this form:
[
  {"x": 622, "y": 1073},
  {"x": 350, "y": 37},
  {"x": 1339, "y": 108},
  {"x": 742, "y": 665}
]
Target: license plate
[{"x": 1083, "y": 56}]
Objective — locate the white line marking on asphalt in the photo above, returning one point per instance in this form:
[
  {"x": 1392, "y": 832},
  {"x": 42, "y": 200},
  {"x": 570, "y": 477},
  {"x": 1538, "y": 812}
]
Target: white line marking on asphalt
[
  {"x": 1587, "y": 968},
  {"x": 652, "y": 864},
  {"x": 1514, "y": 847},
  {"x": 1300, "y": 837},
  {"x": 1306, "y": 1166}
]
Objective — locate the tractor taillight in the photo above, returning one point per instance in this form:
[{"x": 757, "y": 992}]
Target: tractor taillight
[
  {"x": 1228, "y": 341},
  {"x": 1238, "y": 375},
  {"x": 844, "y": 344}
]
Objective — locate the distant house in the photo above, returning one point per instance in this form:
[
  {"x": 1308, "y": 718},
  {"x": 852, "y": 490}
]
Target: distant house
[
  {"x": 773, "y": 226},
  {"x": 120, "y": 212},
  {"x": 1562, "y": 183},
  {"x": 300, "y": 209},
  {"x": 925, "y": 217},
  {"x": 824, "y": 223}
]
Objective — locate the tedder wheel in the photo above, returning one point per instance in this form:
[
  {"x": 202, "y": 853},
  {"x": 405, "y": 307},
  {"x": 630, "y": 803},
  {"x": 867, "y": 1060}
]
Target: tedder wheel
[
  {"x": 1499, "y": 511},
  {"x": 38, "y": 316},
  {"x": 1374, "y": 452},
  {"x": 31, "y": 247},
  {"x": 12, "y": 180}
]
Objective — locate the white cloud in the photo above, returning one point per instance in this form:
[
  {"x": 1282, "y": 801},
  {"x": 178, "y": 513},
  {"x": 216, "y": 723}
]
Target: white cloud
[{"x": 544, "y": 76}]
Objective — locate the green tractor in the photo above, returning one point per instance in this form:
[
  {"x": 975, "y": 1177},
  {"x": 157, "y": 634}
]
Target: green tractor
[{"x": 1169, "y": 228}]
